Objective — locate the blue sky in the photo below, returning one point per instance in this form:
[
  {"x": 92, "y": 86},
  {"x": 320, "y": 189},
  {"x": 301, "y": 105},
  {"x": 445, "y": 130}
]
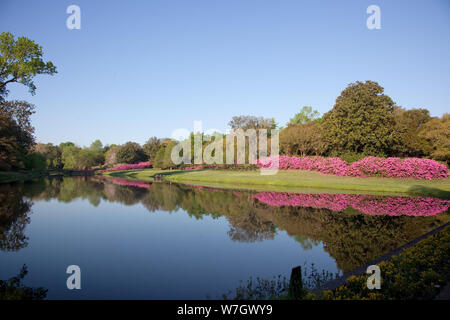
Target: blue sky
[{"x": 138, "y": 69}]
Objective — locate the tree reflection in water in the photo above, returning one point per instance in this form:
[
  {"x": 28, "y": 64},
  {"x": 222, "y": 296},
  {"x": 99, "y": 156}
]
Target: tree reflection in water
[
  {"x": 14, "y": 289},
  {"x": 354, "y": 229},
  {"x": 14, "y": 217}
]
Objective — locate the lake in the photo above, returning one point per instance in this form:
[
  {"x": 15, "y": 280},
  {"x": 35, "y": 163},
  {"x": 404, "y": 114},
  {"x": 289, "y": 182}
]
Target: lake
[{"x": 136, "y": 240}]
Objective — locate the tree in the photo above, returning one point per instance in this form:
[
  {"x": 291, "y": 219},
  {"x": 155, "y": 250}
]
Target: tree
[
  {"x": 130, "y": 152},
  {"x": 301, "y": 139},
  {"x": 20, "y": 61},
  {"x": 251, "y": 122},
  {"x": 21, "y": 112},
  {"x": 69, "y": 156},
  {"x": 361, "y": 121},
  {"x": 111, "y": 155},
  {"x": 151, "y": 147},
  {"x": 96, "y": 152},
  {"x": 306, "y": 115},
  {"x": 408, "y": 124},
  {"x": 51, "y": 153},
  {"x": 35, "y": 161},
  {"x": 12, "y": 148},
  {"x": 163, "y": 158},
  {"x": 437, "y": 132},
  {"x": 16, "y": 119}
]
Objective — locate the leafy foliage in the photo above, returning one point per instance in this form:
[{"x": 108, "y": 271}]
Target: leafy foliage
[
  {"x": 302, "y": 139},
  {"x": 361, "y": 121},
  {"x": 437, "y": 132},
  {"x": 306, "y": 115},
  {"x": 20, "y": 61},
  {"x": 13, "y": 289},
  {"x": 130, "y": 152},
  {"x": 163, "y": 158},
  {"x": 251, "y": 122},
  {"x": 35, "y": 161},
  {"x": 151, "y": 147},
  {"x": 14, "y": 143}
]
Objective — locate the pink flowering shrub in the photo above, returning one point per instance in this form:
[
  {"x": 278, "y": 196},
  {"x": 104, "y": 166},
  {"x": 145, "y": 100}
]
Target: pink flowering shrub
[
  {"x": 200, "y": 167},
  {"x": 134, "y": 166},
  {"x": 368, "y": 204},
  {"x": 370, "y": 166},
  {"x": 400, "y": 168}
]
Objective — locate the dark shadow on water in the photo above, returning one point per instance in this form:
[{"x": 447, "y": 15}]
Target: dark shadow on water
[{"x": 429, "y": 192}]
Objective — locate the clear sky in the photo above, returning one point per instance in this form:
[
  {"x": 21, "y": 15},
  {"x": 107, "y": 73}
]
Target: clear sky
[{"x": 138, "y": 69}]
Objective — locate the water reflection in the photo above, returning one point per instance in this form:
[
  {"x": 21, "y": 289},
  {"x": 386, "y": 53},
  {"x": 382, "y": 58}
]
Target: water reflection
[
  {"x": 353, "y": 228},
  {"x": 14, "y": 217},
  {"x": 14, "y": 289}
]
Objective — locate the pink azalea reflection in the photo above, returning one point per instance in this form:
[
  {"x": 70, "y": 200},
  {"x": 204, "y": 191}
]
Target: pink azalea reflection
[{"x": 368, "y": 204}]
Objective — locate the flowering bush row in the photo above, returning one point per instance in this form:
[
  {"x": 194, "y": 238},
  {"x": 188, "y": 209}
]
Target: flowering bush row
[
  {"x": 368, "y": 204},
  {"x": 370, "y": 166},
  {"x": 134, "y": 166},
  {"x": 200, "y": 166}
]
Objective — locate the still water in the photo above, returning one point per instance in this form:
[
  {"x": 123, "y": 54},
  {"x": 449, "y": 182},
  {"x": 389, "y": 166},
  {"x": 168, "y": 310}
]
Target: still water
[{"x": 135, "y": 240}]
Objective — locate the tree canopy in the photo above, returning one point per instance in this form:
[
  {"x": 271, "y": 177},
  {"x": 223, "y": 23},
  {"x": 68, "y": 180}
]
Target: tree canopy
[
  {"x": 20, "y": 61},
  {"x": 361, "y": 121},
  {"x": 306, "y": 115}
]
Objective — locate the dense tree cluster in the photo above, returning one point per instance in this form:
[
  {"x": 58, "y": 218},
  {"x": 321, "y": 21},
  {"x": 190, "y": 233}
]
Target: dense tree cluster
[{"x": 366, "y": 122}]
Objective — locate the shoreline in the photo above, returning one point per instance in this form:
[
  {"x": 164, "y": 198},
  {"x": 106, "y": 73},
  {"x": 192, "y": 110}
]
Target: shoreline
[{"x": 292, "y": 181}]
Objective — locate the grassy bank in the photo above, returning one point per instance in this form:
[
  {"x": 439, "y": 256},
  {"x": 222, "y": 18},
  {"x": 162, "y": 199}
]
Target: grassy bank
[{"x": 300, "y": 181}]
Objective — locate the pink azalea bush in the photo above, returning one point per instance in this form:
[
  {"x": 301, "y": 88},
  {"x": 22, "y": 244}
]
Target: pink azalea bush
[
  {"x": 368, "y": 204},
  {"x": 425, "y": 169},
  {"x": 200, "y": 167},
  {"x": 134, "y": 166},
  {"x": 370, "y": 166}
]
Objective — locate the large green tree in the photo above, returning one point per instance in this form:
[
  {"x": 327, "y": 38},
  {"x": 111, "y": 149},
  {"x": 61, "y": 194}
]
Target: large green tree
[
  {"x": 21, "y": 60},
  {"x": 12, "y": 145},
  {"x": 437, "y": 132},
  {"x": 151, "y": 147},
  {"x": 301, "y": 139},
  {"x": 361, "y": 121},
  {"x": 130, "y": 152},
  {"x": 408, "y": 125}
]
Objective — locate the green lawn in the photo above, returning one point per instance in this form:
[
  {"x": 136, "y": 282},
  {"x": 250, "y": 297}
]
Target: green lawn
[{"x": 291, "y": 180}]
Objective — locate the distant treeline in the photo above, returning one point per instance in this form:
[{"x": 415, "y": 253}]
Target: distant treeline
[{"x": 363, "y": 122}]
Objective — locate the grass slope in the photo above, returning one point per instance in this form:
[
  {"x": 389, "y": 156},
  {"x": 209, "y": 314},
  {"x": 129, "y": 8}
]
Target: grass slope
[{"x": 290, "y": 180}]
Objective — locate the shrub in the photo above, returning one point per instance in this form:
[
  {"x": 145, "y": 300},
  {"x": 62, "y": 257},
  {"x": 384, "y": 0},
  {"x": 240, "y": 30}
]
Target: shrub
[
  {"x": 130, "y": 152},
  {"x": 135, "y": 166},
  {"x": 425, "y": 169}
]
